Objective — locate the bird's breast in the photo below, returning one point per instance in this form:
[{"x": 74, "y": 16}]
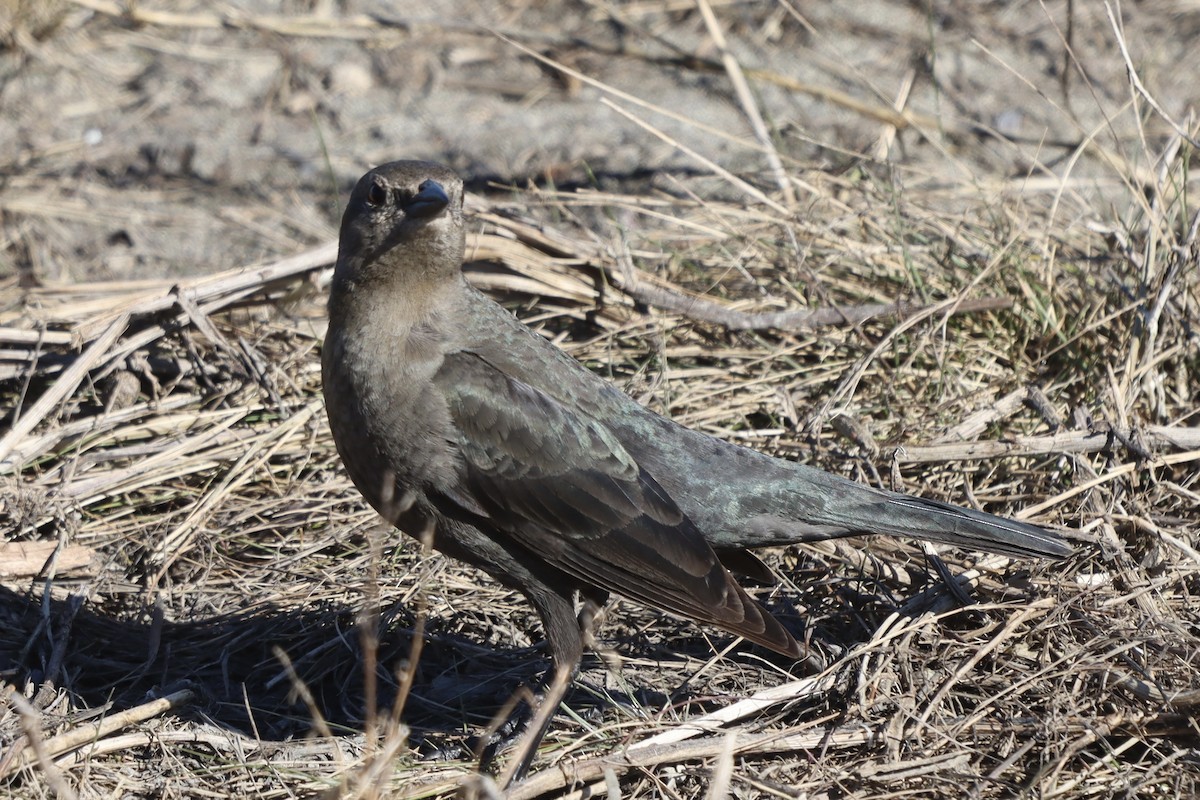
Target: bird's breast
[{"x": 389, "y": 422}]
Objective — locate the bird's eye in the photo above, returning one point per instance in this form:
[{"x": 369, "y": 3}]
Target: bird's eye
[{"x": 376, "y": 195}]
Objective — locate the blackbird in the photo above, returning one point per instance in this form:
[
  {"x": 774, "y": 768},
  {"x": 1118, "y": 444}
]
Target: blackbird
[{"x": 459, "y": 423}]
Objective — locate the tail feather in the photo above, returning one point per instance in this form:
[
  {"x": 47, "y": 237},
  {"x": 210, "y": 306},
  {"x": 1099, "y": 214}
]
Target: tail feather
[{"x": 964, "y": 527}]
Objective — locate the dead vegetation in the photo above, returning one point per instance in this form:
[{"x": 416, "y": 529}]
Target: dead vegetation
[{"x": 194, "y": 600}]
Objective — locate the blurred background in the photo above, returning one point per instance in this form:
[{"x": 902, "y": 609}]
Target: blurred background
[{"x": 150, "y": 139}]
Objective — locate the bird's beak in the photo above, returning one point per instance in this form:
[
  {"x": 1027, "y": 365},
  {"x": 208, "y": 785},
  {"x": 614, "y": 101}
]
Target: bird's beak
[{"x": 428, "y": 202}]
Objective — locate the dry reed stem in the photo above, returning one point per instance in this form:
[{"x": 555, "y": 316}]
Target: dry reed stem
[{"x": 75, "y": 738}]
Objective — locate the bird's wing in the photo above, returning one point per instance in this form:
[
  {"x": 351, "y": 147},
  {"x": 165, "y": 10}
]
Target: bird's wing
[{"x": 559, "y": 483}]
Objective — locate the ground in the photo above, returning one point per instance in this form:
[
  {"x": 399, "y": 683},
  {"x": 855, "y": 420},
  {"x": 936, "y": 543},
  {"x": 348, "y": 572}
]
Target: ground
[{"x": 946, "y": 248}]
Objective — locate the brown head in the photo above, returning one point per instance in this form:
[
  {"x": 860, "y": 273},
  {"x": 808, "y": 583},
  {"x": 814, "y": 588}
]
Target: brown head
[{"x": 403, "y": 223}]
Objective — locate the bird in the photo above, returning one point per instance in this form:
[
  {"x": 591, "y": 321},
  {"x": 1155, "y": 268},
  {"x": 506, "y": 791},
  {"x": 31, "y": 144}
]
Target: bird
[{"x": 462, "y": 426}]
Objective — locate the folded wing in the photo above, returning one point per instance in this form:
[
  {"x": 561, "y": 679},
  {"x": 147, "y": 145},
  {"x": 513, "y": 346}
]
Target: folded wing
[{"x": 560, "y": 484}]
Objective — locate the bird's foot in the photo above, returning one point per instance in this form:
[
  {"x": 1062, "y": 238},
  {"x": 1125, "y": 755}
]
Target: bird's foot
[
  {"x": 528, "y": 734},
  {"x": 500, "y": 737}
]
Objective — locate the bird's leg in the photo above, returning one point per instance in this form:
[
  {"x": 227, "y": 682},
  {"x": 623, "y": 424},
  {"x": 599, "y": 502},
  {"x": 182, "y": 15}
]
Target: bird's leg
[
  {"x": 522, "y": 759},
  {"x": 591, "y": 613},
  {"x": 565, "y": 640},
  {"x": 507, "y": 725}
]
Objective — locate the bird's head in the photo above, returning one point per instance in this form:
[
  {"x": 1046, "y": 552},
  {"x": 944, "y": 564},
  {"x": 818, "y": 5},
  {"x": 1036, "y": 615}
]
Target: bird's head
[{"x": 403, "y": 223}]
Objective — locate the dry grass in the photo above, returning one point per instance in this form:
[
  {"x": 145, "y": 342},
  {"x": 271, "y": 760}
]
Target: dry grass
[{"x": 193, "y": 599}]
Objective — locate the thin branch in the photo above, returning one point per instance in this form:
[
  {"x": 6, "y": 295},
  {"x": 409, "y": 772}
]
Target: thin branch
[{"x": 84, "y": 734}]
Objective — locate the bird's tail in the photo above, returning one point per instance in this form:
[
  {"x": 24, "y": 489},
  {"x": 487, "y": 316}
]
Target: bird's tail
[{"x": 940, "y": 522}]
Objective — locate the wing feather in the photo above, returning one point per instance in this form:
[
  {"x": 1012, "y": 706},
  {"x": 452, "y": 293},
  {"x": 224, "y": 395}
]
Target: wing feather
[{"x": 560, "y": 483}]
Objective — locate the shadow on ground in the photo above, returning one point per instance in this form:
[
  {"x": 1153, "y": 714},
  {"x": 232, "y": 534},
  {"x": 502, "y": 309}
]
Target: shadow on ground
[{"x": 232, "y": 663}]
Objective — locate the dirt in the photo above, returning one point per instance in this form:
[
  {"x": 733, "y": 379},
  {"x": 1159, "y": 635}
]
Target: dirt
[{"x": 132, "y": 149}]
